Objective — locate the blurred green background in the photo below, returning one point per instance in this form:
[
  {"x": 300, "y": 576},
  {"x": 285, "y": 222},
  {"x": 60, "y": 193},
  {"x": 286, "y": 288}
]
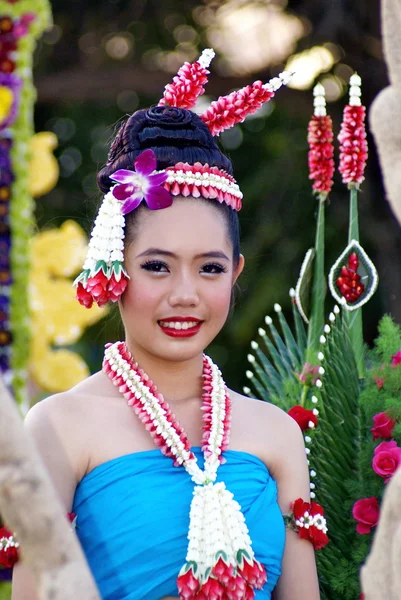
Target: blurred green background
[{"x": 105, "y": 58}]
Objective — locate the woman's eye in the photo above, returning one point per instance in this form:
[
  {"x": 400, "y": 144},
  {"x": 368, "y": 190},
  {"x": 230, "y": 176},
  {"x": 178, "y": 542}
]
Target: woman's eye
[
  {"x": 214, "y": 268},
  {"x": 156, "y": 266}
]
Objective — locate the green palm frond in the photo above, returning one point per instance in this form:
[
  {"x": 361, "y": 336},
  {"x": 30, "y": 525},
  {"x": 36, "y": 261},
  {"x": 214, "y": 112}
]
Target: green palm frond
[
  {"x": 335, "y": 445},
  {"x": 277, "y": 358}
]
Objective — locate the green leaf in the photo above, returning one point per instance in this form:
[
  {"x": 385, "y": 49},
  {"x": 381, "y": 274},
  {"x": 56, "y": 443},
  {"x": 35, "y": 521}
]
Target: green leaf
[
  {"x": 316, "y": 319},
  {"x": 304, "y": 285}
]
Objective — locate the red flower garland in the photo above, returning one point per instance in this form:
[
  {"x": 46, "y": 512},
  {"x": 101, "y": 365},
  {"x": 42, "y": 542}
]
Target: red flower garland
[
  {"x": 8, "y": 549},
  {"x": 353, "y": 144},
  {"x": 227, "y": 111},
  {"x": 310, "y": 523},
  {"x": 320, "y": 156},
  {"x": 187, "y": 85}
]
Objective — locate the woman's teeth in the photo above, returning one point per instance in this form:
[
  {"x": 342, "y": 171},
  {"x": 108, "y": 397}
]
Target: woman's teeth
[{"x": 179, "y": 325}]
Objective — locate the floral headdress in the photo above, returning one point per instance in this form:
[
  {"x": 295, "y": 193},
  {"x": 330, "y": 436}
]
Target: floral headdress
[{"x": 103, "y": 277}]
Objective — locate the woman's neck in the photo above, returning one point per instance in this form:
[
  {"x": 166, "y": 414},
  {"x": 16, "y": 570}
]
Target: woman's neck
[{"x": 178, "y": 381}]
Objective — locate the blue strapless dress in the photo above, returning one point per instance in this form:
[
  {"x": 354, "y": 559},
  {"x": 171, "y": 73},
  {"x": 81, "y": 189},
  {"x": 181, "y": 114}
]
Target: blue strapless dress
[{"x": 133, "y": 518}]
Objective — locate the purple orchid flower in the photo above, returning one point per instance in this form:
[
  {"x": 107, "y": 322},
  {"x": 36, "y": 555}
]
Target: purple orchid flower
[{"x": 142, "y": 184}]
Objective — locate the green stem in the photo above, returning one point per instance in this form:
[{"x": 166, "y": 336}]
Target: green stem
[
  {"x": 304, "y": 394},
  {"x": 316, "y": 321},
  {"x": 354, "y": 318}
]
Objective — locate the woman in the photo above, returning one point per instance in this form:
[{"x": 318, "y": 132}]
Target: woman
[{"x": 174, "y": 278}]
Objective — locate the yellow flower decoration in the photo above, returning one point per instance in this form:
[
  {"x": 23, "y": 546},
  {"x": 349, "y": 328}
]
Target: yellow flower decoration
[
  {"x": 57, "y": 318},
  {"x": 43, "y": 168},
  {"x": 6, "y": 102}
]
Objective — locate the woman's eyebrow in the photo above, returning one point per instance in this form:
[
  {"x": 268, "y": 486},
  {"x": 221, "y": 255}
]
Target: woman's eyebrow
[{"x": 212, "y": 254}]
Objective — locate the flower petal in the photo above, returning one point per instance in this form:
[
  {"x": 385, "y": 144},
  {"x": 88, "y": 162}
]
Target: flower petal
[
  {"x": 123, "y": 176},
  {"x": 131, "y": 204},
  {"x": 145, "y": 163},
  {"x": 158, "y": 197},
  {"x": 158, "y": 178},
  {"x": 123, "y": 191}
]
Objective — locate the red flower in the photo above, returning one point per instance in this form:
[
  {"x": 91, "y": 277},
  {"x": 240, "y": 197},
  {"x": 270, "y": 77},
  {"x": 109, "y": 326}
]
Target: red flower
[
  {"x": 349, "y": 283},
  {"x": 187, "y": 585},
  {"x": 379, "y": 382},
  {"x": 366, "y": 511},
  {"x": 97, "y": 287},
  {"x": 383, "y": 426},
  {"x": 303, "y": 417},
  {"x": 222, "y": 571},
  {"x": 386, "y": 459},
  {"x": 211, "y": 590},
  {"x": 353, "y": 145},
  {"x": 236, "y": 588},
  {"x": 228, "y": 110},
  {"x": 8, "y": 551},
  {"x": 84, "y": 297},
  {"x": 254, "y": 573},
  {"x": 186, "y": 87},
  {"x": 320, "y": 156},
  {"x": 396, "y": 359},
  {"x": 117, "y": 288},
  {"x": 310, "y": 522}
]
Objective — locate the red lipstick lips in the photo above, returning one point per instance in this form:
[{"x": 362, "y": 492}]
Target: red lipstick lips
[{"x": 180, "y": 327}]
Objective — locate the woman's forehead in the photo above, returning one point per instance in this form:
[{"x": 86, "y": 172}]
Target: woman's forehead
[{"x": 187, "y": 222}]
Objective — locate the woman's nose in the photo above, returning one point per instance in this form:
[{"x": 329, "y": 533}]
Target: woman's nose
[{"x": 184, "y": 292}]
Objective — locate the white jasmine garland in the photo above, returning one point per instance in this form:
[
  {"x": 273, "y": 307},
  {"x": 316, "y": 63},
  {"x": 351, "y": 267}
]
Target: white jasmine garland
[{"x": 217, "y": 525}]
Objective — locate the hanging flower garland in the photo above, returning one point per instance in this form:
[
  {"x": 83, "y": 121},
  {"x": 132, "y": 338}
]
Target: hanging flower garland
[
  {"x": 321, "y": 149},
  {"x": 19, "y": 29},
  {"x": 352, "y": 137}
]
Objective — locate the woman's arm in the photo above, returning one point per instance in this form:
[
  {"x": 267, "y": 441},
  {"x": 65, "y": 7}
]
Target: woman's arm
[
  {"x": 298, "y": 580},
  {"x": 43, "y": 423}
]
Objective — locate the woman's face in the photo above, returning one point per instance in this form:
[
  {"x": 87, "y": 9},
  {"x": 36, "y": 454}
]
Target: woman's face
[{"x": 181, "y": 276}]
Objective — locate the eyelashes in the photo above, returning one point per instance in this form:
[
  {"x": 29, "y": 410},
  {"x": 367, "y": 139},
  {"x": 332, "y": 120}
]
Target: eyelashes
[{"x": 158, "y": 266}]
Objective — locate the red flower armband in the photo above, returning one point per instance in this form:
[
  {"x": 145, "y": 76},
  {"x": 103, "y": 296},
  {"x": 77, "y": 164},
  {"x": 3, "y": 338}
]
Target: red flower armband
[
  {"x": 9, "y": 553},
  {"x": 307, "y": 519},
  {"x": 8, "y": 548}
]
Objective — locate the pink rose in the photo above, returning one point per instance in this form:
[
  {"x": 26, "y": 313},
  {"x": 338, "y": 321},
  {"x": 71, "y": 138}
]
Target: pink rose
[
  {"x": 386, "y": 459},
  {"x": 366, "y": 512},
  {"x": 396, "y": 359},
  {"x": 383, "y": 426}
]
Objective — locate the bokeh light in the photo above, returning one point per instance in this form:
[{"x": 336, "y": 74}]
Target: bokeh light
[
  {"x": 119, "y": 45},
  {"x": 63, "y": 127},
  {"x": 308, "y": 65},
  {"x": 252, "y": 35}
]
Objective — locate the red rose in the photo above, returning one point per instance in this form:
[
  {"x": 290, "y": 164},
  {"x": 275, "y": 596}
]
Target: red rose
[
  {"x": 8, "y": 553},
  {"x": 383, "y": 426},
  {"x": 366, "y": 511},
  {"x": 310, "y": 522},
  {"x": 396, "y": 359},
  {"x": 303, "y": 417},
  {"x": 386, "y": 459}
]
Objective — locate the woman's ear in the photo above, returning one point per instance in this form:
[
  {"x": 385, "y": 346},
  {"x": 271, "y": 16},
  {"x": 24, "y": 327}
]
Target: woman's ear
[{"x": 238, "y": 270}]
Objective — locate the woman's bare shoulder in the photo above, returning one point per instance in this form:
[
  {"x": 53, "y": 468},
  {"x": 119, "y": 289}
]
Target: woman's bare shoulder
[
  {"x": 266, "y": 428},
  {"x": 72, "y": 402},
  {"x": 259, "y": 411}
]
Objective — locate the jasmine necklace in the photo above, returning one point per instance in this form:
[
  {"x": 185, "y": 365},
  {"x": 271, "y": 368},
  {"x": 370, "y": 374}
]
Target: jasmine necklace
[{"x": 220, "y": 561}]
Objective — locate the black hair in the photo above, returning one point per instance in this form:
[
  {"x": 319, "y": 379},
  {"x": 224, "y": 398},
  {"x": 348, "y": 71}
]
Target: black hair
[{"x": 175, "y": 135}]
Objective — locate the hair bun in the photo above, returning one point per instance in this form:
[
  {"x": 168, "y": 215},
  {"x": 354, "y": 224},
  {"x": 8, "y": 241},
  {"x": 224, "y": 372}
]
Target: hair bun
[{"x": 168, "y": 116}]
